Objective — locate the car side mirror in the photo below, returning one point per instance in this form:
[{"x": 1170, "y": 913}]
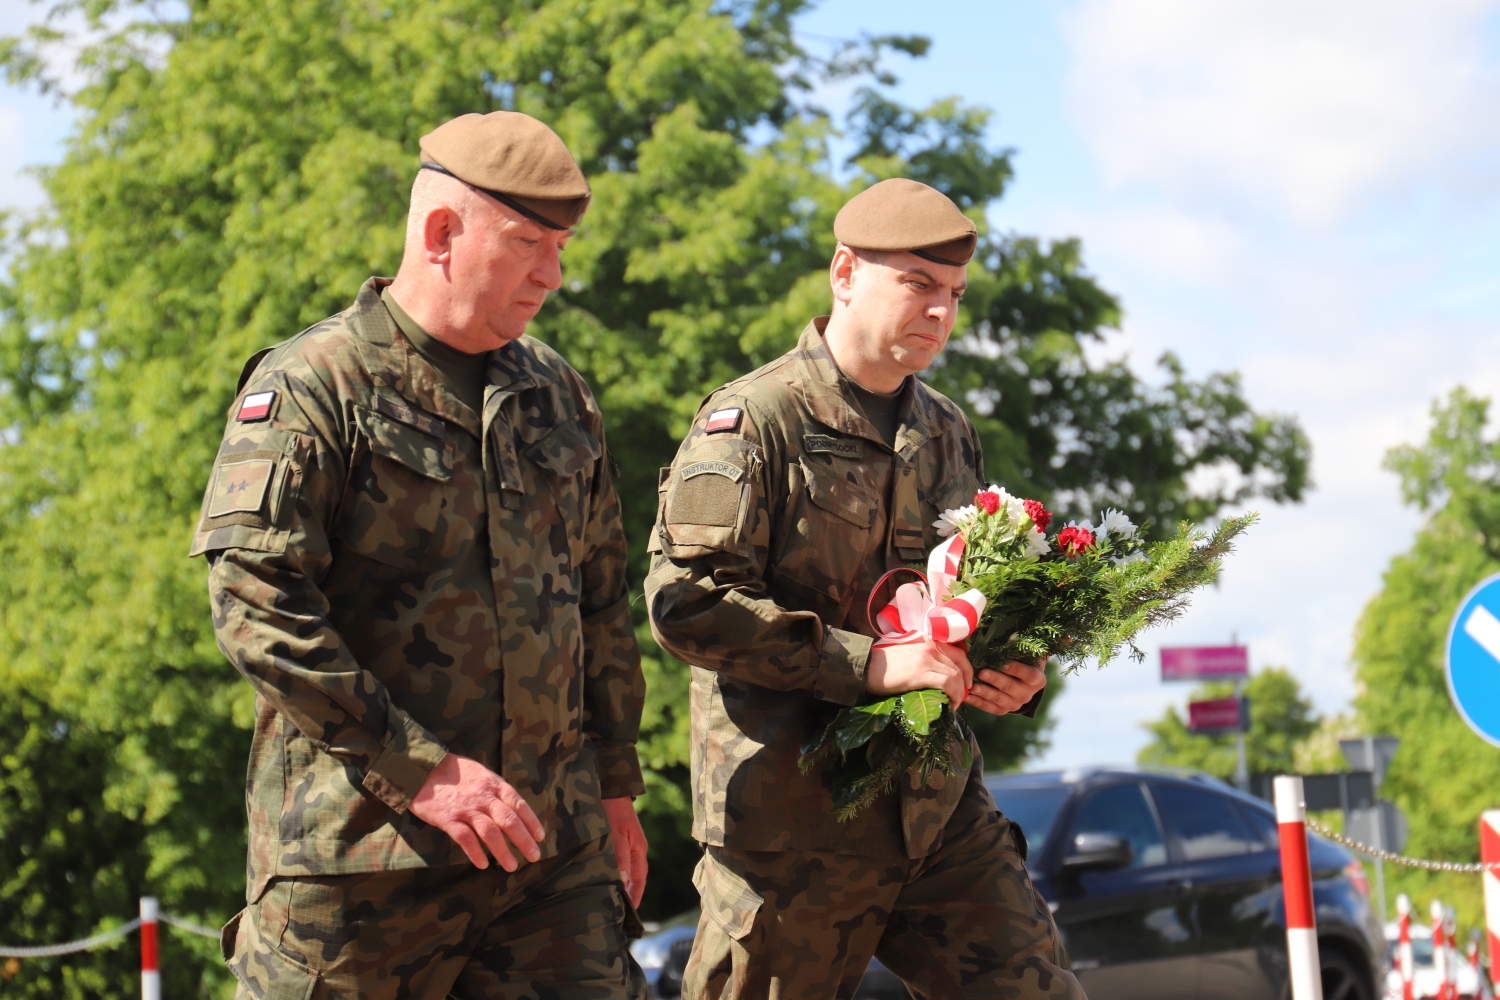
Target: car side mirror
[{"x": 1099, "y": 852}]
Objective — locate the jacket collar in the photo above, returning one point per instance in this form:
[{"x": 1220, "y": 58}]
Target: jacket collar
[
  {"x": 828, "y": 399},
  {"x": 388, "y": 355}
]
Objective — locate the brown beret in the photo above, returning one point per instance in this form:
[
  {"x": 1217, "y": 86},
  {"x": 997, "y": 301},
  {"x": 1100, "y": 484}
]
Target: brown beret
[
  {"x": 902, "y": 214},
  {"x": 514, "y": 159}
]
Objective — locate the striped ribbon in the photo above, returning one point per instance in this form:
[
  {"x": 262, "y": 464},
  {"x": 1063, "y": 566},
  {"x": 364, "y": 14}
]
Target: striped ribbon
[{"x": 924, "y": 610}]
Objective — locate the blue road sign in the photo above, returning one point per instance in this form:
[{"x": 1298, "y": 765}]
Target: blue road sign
[{"x": 1473, "y": 657}]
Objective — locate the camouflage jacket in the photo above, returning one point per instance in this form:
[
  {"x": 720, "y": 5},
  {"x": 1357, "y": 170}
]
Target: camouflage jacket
[
  {"x": 399, "y": 576},
  {"x": 782, "y": 510}
]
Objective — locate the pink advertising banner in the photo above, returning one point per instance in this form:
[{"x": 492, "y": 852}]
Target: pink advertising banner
[{"x": 1193, "y": 663}]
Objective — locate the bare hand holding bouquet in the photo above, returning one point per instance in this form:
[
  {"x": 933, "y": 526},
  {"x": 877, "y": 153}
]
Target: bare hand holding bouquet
[{"x": 1013, "y": 593}]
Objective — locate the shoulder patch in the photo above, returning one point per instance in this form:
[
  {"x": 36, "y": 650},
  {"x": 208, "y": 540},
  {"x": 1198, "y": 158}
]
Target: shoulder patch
[
  {"x": 845, "y": 447},
  {"x": 256, "y": 406},
  {"x": 240, "y": 487},
  {"x": 429, "y": 425},
  {"x": 721, "y": 421},
  {"x": 728, "y": 470}
]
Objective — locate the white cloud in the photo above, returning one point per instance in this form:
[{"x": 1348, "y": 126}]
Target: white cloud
[{"x": 1296, "y": 106}]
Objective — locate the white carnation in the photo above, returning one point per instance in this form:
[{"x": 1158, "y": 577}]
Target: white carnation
[
  {"x": 1116, "y": 523},
  {"x": 1036, "y": 543},
  {"x": 950, "y": 521}
]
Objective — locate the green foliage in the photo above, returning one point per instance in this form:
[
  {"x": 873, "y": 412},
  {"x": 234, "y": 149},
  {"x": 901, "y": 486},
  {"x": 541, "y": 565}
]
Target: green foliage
[
  {"x": 1281, "y": 718},
  {"x": 1075, "y": 606},
  {"x": 235, "y": 175},
  {"x": 1444, "y": 776}
]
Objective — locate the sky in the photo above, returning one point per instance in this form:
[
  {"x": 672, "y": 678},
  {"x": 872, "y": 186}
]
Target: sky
[{"x": 1304, "y": 192}]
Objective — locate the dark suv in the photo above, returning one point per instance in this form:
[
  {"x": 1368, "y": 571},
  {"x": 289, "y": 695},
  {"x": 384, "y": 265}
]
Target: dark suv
[{"x": 1166, "y": 885}]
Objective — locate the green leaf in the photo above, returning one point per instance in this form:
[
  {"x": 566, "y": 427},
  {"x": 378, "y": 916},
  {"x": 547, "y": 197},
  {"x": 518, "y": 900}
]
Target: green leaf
[
  {"x": 859, "y": 727},
  {"x": 920, "y": 709}
]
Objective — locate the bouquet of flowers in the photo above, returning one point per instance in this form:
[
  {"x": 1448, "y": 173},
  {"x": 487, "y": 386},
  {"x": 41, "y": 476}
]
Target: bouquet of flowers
[{"x": 1001, "y": 584}]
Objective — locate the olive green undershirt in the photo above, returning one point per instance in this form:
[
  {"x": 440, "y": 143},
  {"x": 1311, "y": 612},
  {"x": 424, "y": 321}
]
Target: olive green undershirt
[
  {"x": 465, "y": 375},
  {"x": 881, "y": 410}
]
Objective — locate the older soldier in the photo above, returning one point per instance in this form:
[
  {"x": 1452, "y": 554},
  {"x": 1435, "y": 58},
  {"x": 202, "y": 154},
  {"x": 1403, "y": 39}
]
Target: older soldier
[
  {"x": 798, "y": 487},
  {"x": 417, "y": 561}
]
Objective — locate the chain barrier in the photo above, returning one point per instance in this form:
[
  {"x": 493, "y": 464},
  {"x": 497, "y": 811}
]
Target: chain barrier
[
  {"x": 189, "y": 926},
  {"x": 68, "y": 947},
  {"x": 48, "y": 950},
  {"x": 1398, "y": 859}
]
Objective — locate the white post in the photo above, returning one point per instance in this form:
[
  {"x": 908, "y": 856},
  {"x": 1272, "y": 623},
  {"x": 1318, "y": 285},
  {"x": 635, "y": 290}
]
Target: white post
[
  {"x": 150, "y": 974},
  {"x": 1403, "y": 948},
  {"x": 1241, "y": 767},
  {"x": 1296, "y": 890}
]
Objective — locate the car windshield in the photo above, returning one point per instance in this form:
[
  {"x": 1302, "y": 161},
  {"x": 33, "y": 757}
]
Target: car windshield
[{"x": 1034, "y": 807}]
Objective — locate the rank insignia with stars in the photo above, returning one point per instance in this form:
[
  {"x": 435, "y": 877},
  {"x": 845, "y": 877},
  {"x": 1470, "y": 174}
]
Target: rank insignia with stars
[{"x": 240, "y": 487}]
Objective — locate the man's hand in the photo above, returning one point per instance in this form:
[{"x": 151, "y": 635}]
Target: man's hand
[
  {"x": 916, "y": 666},
  {"x": 1009, "y": 688},
  {"x": 630, "y": 845},
  {"x": 479, "y": 809}
]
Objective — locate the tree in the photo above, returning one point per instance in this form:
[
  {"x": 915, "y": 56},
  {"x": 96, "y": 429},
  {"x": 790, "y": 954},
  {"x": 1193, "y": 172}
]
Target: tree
[
  {"x": 234, "y": 175},
  {"x": 1444, "y": 776},
  {"x": 1281, "y": 717}
]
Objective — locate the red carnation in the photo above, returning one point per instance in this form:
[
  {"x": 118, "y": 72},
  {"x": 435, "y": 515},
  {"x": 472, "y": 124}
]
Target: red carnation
[
  {"x": 1040, "y": 516},
  {"x": 1074, "y": 540},
  {"x": 987, "y": 501}
]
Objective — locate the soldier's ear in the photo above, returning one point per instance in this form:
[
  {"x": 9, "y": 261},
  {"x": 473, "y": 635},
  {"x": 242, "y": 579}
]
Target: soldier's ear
[{"x": 841, "y": 273}]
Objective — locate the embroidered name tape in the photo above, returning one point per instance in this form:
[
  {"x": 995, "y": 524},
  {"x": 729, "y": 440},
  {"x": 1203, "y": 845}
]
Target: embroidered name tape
[
  {"x": 431, "y": 426},
  {"x": 843, "y": 447},
  {"x": 257, "y": 406},
  {"x": 728, "y": 470},
  {"x": 720, "y": 421}
]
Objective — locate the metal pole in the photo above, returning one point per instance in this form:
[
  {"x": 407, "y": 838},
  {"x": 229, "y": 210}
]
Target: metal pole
[
  {"x": 150, "y": 974},
  {"x": 1296, "y": 890},
  {"x": 1241, "y": 769}
]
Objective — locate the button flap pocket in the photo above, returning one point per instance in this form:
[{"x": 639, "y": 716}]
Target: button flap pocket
[
  {"x": 839, "y": 496},
  {"x": 568, "y": 450},
  {"x": 958, "y": 492},
  {"x": 422, "y": 453},
  {"x": 727, "y": 899}
]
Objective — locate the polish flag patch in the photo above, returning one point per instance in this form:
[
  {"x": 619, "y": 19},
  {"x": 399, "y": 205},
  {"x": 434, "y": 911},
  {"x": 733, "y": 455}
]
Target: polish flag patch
[
  {"x": 257, "y": 406},
  {"x": 720, "y": 421}
]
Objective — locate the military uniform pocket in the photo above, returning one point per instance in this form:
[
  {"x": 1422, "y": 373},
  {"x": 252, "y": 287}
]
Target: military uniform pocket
[
  {"x": 251, "y": 491},
  {"x": 727, "y": 899},
  {"x": 398, "y": 491},
  {"x": 704, "y": 500},
  {"x": 256, "y": 960},
  {"x": 826, "y": 535}
]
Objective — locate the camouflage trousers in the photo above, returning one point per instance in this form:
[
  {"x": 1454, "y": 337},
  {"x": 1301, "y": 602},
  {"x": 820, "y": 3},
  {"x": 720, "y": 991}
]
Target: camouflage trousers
[
  {"x": 557, "y": 929},
  {"x": 962, "y": 922}
]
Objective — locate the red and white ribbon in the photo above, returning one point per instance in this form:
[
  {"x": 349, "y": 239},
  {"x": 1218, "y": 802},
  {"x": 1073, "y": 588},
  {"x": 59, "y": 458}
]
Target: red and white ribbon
[{"x": 924, "y": 611}]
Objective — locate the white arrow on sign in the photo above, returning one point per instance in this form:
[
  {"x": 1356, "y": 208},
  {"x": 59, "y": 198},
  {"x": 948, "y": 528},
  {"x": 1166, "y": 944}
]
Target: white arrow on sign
[{"x": 1484, "y": 628}]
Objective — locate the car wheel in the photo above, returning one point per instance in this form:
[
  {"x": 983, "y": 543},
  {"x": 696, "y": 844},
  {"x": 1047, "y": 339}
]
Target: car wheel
[{"x": 1341, "y": 980}]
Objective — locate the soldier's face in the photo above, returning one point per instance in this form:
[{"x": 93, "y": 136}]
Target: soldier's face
[
  {"x": 905, "y": 306},
  {"x": 506, "y": 272}
]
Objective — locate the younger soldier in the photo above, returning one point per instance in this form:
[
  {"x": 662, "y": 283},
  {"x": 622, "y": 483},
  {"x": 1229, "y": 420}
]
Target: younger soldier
[
  {"x": 417, "y": 562},
  {"x": 798, "y": 487}
]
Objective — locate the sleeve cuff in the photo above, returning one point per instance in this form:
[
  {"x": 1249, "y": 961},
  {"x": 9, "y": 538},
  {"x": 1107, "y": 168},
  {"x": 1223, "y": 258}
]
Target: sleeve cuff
[
  {"x": 841, "y": 669},
  {"x": 619, "y": 770},
  {"x": 1029, "y": 709},
  {"x": 409, "y": 755}
]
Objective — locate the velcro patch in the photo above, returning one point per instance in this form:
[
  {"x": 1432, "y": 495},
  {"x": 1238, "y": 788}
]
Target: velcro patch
[
  {"x": 720, "y": 421},
  {"x": 257, "y": 406},
  {"x": 429, "y": 425},
  {"x": 844, "y": 447},
  {"x": 728, "y": 470},
  {"x": 240, "y": 487}
]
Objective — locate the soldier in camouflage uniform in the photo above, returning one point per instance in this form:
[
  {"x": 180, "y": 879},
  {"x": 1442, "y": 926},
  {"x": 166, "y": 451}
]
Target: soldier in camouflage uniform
[
  {"x": 797, "y": 488},
  {"x": 417, "y": 561}
]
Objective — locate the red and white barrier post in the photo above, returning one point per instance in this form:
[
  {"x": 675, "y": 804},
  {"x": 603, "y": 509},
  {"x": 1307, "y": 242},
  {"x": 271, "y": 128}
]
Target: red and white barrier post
[
  {"x": 1403, "y": 946},
  {"x": 1489, "y": 853},
  {"x": 150, "y": 974},
  {"x": 1296, "y": 890}
]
